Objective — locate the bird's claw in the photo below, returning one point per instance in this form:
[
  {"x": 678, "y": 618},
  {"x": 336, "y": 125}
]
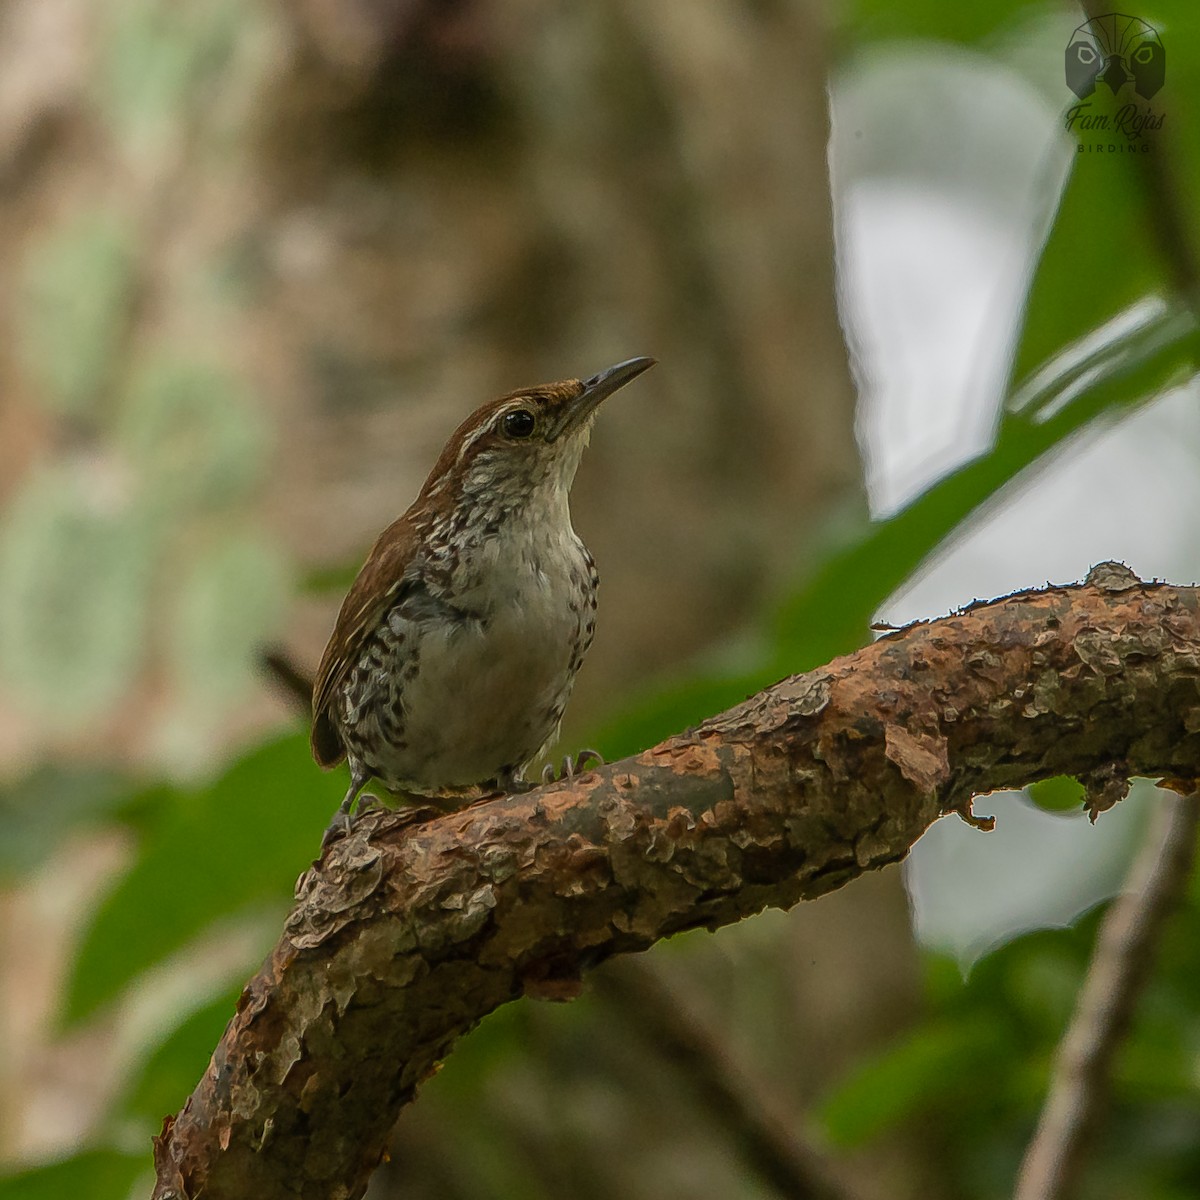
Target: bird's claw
[
  {"x": 510, "y": 783},
  {"x": 572, "y": 765},
  {"x": 344, "y": 819}
]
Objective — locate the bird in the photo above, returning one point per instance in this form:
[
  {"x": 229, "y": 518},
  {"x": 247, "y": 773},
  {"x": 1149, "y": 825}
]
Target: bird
[{"x": 455, "y": 651}]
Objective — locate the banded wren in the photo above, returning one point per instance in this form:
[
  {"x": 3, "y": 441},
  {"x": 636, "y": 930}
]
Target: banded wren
[{"x": 455, "y": 651}]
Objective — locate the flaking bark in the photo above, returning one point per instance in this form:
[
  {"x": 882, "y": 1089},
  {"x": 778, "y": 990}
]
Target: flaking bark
[{"x": 407, "y": 933}]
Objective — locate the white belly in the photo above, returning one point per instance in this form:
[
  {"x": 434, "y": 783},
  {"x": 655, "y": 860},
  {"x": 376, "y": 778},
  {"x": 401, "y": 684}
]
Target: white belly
[{"x": 486, "y": 695}]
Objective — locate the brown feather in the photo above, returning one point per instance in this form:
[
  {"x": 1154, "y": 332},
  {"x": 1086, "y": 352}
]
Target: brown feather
[
  {"x": 360, "y": 613},
  {"x": 550, "y": 395}
]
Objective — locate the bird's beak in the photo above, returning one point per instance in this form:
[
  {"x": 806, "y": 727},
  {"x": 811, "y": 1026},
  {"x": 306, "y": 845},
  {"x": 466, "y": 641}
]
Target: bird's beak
[{"x": 576, "y": 411}]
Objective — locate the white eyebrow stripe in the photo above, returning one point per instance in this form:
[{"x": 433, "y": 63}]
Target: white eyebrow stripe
[{"x": 468, "y": 442}]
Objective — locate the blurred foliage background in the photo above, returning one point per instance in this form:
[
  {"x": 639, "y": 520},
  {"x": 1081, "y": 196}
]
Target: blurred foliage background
[{"x": 259, "y": 259}]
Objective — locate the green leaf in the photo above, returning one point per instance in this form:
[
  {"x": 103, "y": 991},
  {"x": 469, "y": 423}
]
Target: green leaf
[
  {"x": 90, "y": 1175},
  {"x": 499, "y": 1041},
  {"x": 169, "y": 1074},
  {"x": 928, "y": 1066},
  {"x": 649, "y": 719},
  {"x": 37, "y": 810},
  {"x": 1060, "y": 794},
  {"x": 1077, "y": 287},
  {"x": 221, "y": 850},
  {"x": 1179, "y": 23}
]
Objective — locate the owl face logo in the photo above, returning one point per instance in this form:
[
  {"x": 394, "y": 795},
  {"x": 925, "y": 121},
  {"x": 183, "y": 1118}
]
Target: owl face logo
[{"x": 1115, "y": 50}]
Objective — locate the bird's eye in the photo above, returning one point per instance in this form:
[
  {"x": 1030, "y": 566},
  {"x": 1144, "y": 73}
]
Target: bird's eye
[{"x": 519, "y": 423}]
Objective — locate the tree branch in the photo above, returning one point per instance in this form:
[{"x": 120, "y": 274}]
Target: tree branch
[
  {"x": 407, "y": 933},
  {"x": 1119, "y": 971},
  {"x": 785, "y": 1158}
]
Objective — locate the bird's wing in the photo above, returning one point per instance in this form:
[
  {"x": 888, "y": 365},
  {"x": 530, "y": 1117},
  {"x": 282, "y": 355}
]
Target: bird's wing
[{"x": 372, "y": 593}]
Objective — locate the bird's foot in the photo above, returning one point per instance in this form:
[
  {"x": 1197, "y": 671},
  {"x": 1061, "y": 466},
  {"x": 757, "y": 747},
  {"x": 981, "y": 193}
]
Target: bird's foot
[
  {"x": 572, "y": 765},
  {"x": 509, "y": 783},
  {"x": 345, "y": 817}
]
